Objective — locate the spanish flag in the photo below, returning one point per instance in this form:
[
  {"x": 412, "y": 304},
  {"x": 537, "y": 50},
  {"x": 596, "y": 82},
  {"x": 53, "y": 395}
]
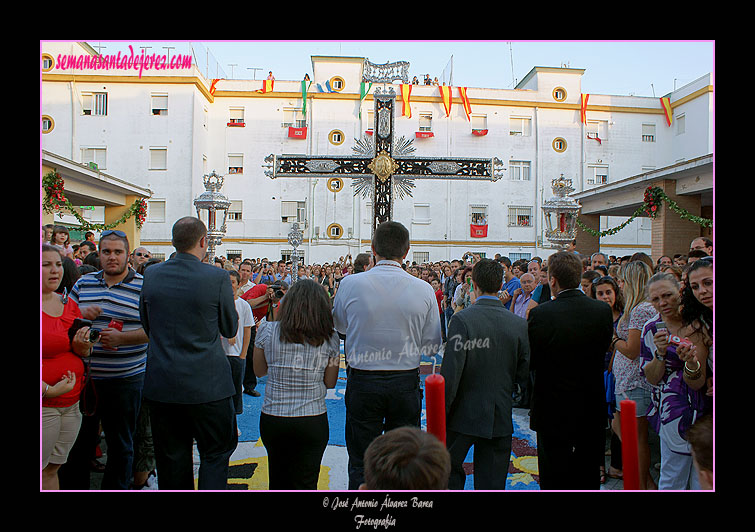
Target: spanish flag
[
  {"x": 666, "y": 106},
  {"x": 212, "y": 86},
  {"x": 267, "y": 86},
  {"x": 445, "y": 94},
  {"x": 406, "y": 91},
  {"x": 583, "y": 110},
  {"x": 465, "y": 101}
]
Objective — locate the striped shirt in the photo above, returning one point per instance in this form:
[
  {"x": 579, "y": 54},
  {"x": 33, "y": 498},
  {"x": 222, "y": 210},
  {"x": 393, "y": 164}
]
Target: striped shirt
[
  {"x": 118, "y": 302},
  {"x": 295, "y": 385}
]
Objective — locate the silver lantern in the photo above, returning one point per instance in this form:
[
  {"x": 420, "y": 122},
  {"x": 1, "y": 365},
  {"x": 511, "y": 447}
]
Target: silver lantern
[
  {"x": 295, "y": 238},
  {"x": 561, "y": 213},
  {"x": 212, "y": 209}
]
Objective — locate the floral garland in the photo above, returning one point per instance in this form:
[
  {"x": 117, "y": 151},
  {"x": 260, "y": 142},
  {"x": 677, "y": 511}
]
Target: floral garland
[
  {"x": 55, "y": 200},
  {"x": 653, "y": 199}
]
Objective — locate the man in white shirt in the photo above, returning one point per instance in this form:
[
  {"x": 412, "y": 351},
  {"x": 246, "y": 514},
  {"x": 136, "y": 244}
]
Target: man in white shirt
[{"x": 390, "y": 319}]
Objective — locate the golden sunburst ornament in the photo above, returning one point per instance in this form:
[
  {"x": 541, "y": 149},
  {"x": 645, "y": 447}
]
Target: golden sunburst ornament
[{"x": 383, "y": 166}]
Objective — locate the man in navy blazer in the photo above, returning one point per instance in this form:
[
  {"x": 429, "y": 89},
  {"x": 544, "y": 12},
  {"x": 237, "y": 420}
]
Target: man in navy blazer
[
  {"x": 569, "y": 337},
  {"x": 486, "y": 353},
  {"x": 186, "y": 306}
]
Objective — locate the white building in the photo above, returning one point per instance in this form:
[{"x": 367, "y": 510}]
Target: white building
[{"x": 164, "y": 129}]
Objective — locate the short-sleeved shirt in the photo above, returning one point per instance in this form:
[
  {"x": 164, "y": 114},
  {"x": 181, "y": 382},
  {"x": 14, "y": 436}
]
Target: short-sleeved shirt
[
  {"x": 119, "y": 302},
  {"x": 245, "y": 320},
  {"x": 626, "y": 371},
  {"x": 295, "y": 372}
]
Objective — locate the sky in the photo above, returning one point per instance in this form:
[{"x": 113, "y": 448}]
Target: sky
[{"x": 639, "y": 68}]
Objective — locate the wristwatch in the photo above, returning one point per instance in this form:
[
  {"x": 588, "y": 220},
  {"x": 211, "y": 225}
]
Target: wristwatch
[{"x": 658, "y": 356}]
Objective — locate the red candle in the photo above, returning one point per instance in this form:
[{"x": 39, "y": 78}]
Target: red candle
[
  {"x": 562, "y": 222},
  {"x": 629, "y": 454},
  {"x": 435, "y": 405}
]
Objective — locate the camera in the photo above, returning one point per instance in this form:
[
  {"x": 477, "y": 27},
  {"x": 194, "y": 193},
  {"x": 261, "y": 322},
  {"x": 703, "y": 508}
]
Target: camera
[
  {"x": 78, "y": 323},
  {"x": 278, "y": 288}
]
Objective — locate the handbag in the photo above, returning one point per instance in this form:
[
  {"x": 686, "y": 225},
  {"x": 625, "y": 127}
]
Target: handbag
[{"x": 88, "y": 396}]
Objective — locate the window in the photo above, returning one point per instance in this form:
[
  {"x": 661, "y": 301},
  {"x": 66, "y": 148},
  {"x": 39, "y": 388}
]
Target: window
[
  {"x": 287, "y": 254},
  {"x": 334, "y": 231},
  {"x": 337, "y": 83},
  {"x": 47, "y": 124},
  {"x": 160, "y": 104},
  {"x": 421, "y": 257},
  {"x": 235, "y": 164},
  {"x": 518, "y": 256},
  {"x": 597, "y": 129},
  {"x": 519, "y": 170},
  {"x": 520, "y": 126},
  {"x": 559, "y": 144},
  {"x": 301, "y": 211},
  {"x": 47, "y": 62},
  {"x": 292, "y": 117},
  {"x": 479, "y": 122},
  {"x": 421, "y": 213},
  {"x": 156, "y": 211},
  {"x": 680, "y": 125},
  {"x": 98, "y": 156},
  {"x": 233, "y": 254},
  {"x": 236, "y": 116},
  {"x": 235, "y": 211},
  {"x": 520, "y": 216},
  {"x": 335, "y": 184},
  {"x": 559, "y": 94},
  {"x": 336, "y": 137},
  {"x": 425, "y": 122},
  {"x": 648, "y": 132},
  {"x": 293, "y": 211},
  {"x": 370, "y": 120},
  {"x": 597, "y": 175},
  {"x": 478, "y": 214},
  {"x": 94, "y": 103},
  {"x": 158, "y": 158}
]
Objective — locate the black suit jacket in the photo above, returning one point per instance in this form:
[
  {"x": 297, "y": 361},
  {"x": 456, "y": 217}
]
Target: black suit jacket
[
  {"x": 569, "y": 337},
  {"x": 186, "y": 305},
  {"x": 486, "y": 352}
]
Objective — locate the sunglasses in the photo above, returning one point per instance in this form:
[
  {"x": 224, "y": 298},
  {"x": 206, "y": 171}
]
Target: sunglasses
[
  {"x": 143, "y": 255},
  {"x": 113, "y": 232},
  {"x": 605, "y": 279}
]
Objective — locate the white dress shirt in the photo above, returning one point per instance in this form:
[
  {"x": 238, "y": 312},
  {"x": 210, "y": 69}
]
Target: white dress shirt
[{"x": 389, "y": 317}]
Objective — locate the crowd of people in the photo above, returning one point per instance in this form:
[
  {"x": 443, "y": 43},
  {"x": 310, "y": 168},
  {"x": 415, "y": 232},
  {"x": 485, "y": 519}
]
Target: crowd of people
[{"x": 120, "y": 358}]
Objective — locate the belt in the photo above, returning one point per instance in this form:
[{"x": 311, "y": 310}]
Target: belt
[{"x": 381, "y": 371}]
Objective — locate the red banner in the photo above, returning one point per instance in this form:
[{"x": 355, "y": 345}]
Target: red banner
[
  {"x": 583, "y": 111},
  {"x": 478, "y": 231},
  {"x": 465, "y": 101}
]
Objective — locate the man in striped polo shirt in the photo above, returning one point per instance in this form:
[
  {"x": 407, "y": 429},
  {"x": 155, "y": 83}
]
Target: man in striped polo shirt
[{"x": 110, "y": 298}]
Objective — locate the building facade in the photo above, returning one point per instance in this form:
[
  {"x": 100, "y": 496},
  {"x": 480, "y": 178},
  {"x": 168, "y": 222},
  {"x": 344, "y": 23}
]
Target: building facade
[{"x": 164, "y": 129}]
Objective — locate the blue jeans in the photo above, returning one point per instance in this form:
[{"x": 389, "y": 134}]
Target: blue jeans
[
  {"x": 377, "y": 402},
  {"x": 118, "y": 403}
]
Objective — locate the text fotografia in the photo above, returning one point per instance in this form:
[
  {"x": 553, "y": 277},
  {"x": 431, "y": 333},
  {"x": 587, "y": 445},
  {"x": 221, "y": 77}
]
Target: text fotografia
[{"x": 125, "y": 61}]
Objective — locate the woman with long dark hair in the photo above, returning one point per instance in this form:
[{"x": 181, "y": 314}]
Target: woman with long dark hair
[
  {"x": 697, "y": 308},
  {"x": 300, "y": 353},
  {"x": 674, "y": 360}
]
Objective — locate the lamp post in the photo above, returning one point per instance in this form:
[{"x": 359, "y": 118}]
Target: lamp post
[
  {"x": 295, "y": 238},
  {"x": 212, "y": 209},
  {"x": 561, "y": 213}
]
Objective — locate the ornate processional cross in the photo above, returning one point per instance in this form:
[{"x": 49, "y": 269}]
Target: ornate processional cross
[{"x": 383, "y": 166}]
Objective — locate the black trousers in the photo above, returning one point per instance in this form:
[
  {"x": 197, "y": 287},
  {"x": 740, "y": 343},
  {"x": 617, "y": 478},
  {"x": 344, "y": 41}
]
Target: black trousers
[
  {"x": 566, "y": 460},
  {"x": 376, "y": 402},
  {"x": 294, "y": 446},
  {"x": 174, "y": 429},
  {"x": 491, "y": 460}
]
